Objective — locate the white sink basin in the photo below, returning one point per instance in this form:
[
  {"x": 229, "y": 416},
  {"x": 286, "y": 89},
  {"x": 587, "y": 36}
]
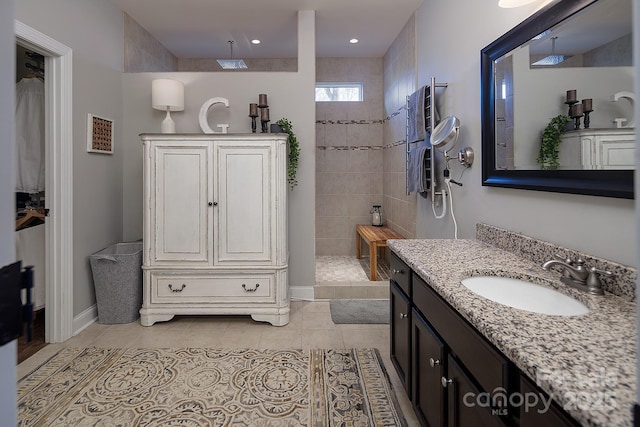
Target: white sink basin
[{"x": 525, "y": 295}]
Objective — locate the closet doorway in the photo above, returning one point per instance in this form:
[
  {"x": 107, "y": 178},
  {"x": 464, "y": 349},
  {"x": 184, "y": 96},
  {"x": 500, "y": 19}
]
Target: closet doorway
[
  {"x": 58, "y": 270},
  {"x": 30, "y": 187}
]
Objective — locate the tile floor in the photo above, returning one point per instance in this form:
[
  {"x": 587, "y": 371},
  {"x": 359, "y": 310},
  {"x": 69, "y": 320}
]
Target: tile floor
[{"x": 310, "y": 326}]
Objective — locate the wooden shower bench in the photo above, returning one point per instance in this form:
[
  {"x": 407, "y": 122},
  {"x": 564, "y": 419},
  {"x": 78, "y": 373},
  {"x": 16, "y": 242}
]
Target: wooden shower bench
[{"x": 375, "y": 237}]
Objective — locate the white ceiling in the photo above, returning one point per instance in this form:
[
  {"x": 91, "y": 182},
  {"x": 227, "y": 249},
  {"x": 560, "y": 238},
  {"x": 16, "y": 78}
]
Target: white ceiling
[{"x": 202, "y": 28}]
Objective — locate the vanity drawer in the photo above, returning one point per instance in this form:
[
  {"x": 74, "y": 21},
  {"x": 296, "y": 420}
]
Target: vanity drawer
[
  {"x": 487, "y": 365},
  {"x": 172, "y": 288},
  {"x": 400, "y": 273}
]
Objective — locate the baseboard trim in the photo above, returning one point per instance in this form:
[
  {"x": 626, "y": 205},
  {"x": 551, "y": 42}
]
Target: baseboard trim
[
  {"x": 303, "y": 293},
  {"x": 85, "y": 319}
]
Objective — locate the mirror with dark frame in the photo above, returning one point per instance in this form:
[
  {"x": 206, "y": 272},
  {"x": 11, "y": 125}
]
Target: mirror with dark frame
[{"x": 570, "y": 55}]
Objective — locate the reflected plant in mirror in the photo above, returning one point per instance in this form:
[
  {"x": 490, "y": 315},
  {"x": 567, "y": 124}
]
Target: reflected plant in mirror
[
  {"x": 550, "y": 142},
  {"x": 572, "y": 58}
]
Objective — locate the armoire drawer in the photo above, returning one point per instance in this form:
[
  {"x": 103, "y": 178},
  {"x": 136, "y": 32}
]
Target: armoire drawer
[{"x": 176, "y": 288}]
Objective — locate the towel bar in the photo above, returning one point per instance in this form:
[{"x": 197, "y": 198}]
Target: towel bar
[{"x": 429, "y": 121}]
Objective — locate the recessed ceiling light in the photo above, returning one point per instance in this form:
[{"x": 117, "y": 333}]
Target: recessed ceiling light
[
  {"x": 255, "y": 41},
  {"x": 353, "y": 41}
]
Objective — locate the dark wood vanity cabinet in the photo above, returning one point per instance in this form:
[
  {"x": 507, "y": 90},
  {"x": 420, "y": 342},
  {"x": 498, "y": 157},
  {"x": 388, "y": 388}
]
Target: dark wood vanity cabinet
[
  {"x": 400, "y": 345},
  {"x": 452, "y": 366},
  {"x": 553, "y": 416},
  {"x": 434, "y": 379},
  {"x": 453, "y": 376}
]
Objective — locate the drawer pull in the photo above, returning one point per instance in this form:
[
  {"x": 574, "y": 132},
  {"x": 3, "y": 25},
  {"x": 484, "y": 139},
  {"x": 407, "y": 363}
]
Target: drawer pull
[
  {"x": 445, "y": 382},
  {"x": 394, "y": 271},
  {"x": 403, "y": 316},
  {"x": 434, "y": 362},
  {"x": 250, "y": 290},
  {"x": 177, "y": 290}
]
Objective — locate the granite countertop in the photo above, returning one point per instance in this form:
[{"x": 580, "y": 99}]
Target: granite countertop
[{"x": 586, "y": 363}]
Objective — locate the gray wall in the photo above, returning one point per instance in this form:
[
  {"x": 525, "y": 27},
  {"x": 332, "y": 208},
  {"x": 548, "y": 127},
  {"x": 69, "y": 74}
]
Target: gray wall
[
  {"x": 8, "y": 352},
  {"x": 290, "y": 95},
  {"x": 600, "y": 226},
  {"x": 93, "y": 30}
]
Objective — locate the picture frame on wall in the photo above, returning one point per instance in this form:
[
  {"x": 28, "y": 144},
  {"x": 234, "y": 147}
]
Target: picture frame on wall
[{"x": 99, "y": 134}]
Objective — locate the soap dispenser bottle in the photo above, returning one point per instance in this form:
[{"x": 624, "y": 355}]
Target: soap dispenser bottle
[{"x": 376, "y": 215}]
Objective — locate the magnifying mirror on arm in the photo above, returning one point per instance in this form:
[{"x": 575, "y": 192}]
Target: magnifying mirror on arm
[{"x": 445, "y": 135}]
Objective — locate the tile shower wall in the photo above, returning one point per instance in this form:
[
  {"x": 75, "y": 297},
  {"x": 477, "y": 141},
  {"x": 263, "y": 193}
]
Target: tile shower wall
[
  {"x": 399, "y": 82},
  {"x": 349, "y": 157},
  {"x": 142, "y": 52}
]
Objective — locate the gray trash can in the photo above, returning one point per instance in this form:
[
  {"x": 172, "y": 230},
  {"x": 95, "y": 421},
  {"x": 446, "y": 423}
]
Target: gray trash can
[{"x": 117, "y": 278}]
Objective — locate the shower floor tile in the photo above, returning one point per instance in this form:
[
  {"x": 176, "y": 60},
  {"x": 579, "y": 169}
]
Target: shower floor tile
[{"x": 334, "y": 268}]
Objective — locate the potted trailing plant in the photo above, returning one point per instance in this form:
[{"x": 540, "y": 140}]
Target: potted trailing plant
[
  {"x": 294, "y": 151},
  {"x": 550, "y": 139}
]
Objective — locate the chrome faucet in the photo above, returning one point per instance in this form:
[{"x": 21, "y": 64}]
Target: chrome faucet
[{"x": 576, "y": 275}]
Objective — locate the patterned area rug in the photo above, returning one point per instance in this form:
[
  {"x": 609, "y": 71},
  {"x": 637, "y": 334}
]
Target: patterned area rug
[{"x": 208, "y": 387}]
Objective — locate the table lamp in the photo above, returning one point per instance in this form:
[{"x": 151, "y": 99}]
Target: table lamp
[{"x": 167, "y": 95}]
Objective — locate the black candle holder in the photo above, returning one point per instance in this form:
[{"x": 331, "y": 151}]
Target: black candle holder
[
  {"x": 576, "y": 113},
  {"x": 253, "y": 123},
  {"x": 264, "y": 115},
  {"x": 576, "y": 123},
  {"x": 570, "y": 103},
  {"x": 586, "y": 119}
]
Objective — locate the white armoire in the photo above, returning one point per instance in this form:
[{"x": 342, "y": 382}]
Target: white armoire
[{"x": 215, "y": 226}]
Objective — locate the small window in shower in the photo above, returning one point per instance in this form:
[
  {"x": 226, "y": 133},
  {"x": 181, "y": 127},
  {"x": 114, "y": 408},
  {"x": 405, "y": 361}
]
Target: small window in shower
[{"x": 339, "y": 92}]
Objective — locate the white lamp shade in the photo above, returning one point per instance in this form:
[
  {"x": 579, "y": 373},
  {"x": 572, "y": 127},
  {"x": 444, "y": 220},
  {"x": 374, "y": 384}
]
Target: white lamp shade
[
  {"x": 167, "y": 94},
  {"x": 514, "y": 3}
]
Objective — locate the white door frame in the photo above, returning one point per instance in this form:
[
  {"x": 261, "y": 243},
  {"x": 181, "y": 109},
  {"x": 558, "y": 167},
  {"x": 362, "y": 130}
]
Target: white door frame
[{"x": 58, "y": 182}]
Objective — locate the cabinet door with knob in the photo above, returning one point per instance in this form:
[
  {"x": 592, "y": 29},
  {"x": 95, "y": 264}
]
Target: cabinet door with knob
[
  {"x": 401, "y": 335},
  {"x": 467, "y": 405},
  {"x": 428, "y": 363},
  {"x": 179, "y": 191}
]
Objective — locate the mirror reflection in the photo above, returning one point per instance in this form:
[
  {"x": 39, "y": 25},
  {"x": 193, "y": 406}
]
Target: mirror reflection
[{"x": 573, "y": 84}]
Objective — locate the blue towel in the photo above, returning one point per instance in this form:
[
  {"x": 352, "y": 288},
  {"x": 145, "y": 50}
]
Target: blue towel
[
  {"x": 416, "y": 176},
  {"x": 417, "y": 129}
]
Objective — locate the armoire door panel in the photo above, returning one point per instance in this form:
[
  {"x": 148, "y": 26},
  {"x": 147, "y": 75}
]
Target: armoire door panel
[
  {"x": 181, "y": 212},
  {"x": 244, "y": 220}
]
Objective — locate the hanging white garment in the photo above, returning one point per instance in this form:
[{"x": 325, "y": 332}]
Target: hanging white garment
[{"x": 30, "y": 135}]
